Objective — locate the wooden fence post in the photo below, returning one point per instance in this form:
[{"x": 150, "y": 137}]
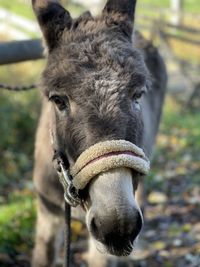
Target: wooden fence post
[{"x": 177, "y": 11}]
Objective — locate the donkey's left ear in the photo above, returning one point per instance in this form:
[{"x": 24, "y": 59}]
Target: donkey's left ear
[
  {"x": 53, "y": 19},
  {"x": 124, "y": 7}
]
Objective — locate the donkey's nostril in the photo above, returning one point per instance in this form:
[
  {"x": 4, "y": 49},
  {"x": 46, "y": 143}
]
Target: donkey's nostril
[
  {"x": 98, "y": 227},
  {"x": 94, "y": 228},
  {"x": 137, "y": 227}
]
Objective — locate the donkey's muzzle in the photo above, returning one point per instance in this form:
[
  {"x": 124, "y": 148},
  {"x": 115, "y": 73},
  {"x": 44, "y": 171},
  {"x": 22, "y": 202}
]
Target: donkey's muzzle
[{"x": 117, "y": 237}]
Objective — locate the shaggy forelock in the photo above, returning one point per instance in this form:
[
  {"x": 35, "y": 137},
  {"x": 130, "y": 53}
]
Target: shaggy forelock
[{"x": 95, "y": 58}]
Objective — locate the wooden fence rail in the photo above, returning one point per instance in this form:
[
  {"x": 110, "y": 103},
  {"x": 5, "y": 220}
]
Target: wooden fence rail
[
  {"x": 188, "y": 29},
  {"x": 19, "y": 51},
  {"x": 189, "y": 35}
]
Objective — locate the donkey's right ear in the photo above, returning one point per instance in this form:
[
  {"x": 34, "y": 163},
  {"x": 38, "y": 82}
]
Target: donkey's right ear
[
  {"x": 124, "y": 7},
  {"x": 53, "y": 19}
]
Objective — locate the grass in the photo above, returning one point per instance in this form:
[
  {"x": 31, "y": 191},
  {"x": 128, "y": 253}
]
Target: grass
[
  {"x": 178, "y": 146},
  {"x": 189, "y": 5},
  {"x": 182, "y": 124},
  {"x": 17, "y": 219},
  {"x": 156, "y": 3},
  {"x": 18, "y": 7},
  {"x": 192, "y": 6},
  {"x": 24, "y": 9}
]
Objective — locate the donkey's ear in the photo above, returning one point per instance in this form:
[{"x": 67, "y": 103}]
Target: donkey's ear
[
  {"x": 124, "y": 7},
  {"x": 53, "y": 19}
]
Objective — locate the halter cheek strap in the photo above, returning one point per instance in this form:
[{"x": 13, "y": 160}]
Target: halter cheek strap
[{"x": 99, "y": 158}]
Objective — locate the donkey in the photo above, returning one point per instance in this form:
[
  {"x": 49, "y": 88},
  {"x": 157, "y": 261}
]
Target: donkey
[{"x": 101, "y": 82}]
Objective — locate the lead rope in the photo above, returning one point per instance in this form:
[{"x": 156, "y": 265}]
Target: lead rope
[
  {"x": 67, "y": 234},
  {"x": 65, "y": 180}
]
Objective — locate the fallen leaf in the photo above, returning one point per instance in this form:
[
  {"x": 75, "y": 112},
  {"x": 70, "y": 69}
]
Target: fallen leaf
[
  {"x": 157, "y": 197},
  {"x": 159, "y": 245}
]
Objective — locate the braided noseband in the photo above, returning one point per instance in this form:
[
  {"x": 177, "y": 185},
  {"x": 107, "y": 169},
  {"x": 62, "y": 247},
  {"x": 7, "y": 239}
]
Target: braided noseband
[
  {"x": 107, "y": 155},
  {"x": 99, "y": 158}
]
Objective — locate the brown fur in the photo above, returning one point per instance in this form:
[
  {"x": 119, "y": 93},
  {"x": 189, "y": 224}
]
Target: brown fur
[{"x": 101, "y": 68}]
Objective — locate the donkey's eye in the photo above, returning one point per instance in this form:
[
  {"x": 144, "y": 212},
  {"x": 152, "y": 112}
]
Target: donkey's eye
[
  {"x": 136, "y": 97},
  {"x": 61, "y": 102},
  {"x": 140, "y": 93}
]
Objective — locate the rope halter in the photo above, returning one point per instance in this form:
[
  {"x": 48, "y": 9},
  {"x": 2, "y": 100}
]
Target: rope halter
[{"x": 99, "y": 158}]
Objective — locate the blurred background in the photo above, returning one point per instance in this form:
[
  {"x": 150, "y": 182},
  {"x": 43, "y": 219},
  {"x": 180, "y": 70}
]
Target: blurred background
[{"x": 171, "y": 237}]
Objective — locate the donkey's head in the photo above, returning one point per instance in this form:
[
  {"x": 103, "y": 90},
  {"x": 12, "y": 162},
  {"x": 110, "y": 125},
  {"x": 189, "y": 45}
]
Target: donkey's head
[{"x": 94, "y": 79}]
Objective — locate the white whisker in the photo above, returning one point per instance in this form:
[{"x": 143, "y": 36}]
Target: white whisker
[{"x": 100, "y": 247}]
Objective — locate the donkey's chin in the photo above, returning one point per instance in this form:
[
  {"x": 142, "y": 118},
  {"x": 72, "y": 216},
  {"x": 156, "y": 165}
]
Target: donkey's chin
[
  {"x": 122, "y": 251},
  {"x": 117, "y": 247}
]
